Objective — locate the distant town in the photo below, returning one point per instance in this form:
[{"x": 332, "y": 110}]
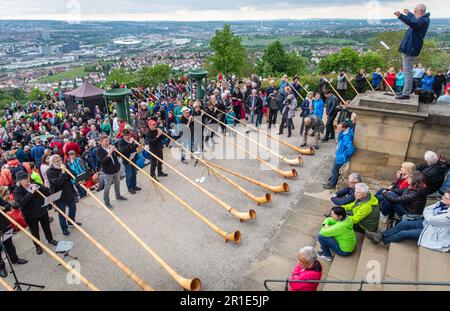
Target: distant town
[{"x": 51, "y": 54}]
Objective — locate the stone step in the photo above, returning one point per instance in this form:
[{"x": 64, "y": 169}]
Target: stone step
[
  {"x": 371, "y": 265},
  {"x": 402, "y": 265},
  {"x": 343, "y": 268},
  {"x": 433, "y": 267}
]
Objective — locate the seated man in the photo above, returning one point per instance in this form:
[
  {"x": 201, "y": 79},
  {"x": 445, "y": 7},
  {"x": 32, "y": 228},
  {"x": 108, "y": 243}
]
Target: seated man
[
  {"x": 434, "y": 170},
  {"x": 411, "y": 200},
  {"x": 308, "y": 268},
  {"x": 432, "y": 232},
  {"x": 336, "y": 235},
  {"x": 347, "y": 195},
  {"x": 364, "y": 211}
]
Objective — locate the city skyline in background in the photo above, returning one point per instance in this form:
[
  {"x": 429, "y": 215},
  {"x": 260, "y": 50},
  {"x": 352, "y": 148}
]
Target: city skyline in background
[{"x": 182, "y": 10}]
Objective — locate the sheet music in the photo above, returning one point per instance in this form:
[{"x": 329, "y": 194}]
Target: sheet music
[{"x": 52, "y": 198}]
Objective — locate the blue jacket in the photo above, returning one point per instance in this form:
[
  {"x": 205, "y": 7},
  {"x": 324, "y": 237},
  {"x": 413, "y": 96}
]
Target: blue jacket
[
  {"x": 318, "y": 107},
  {"x": 345, "y": 148},
  {"x": 427, "y": 83},
  {"x": 36, "y": 153},
  {"x": 413, "y": 40},
  {"x": 400, "y": 80},
  {"x": 305, "y": 108},
  {"x": 376, "y": 79}
]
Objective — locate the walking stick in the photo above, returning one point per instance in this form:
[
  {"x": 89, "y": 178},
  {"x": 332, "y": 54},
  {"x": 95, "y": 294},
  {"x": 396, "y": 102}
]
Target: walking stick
[
  {"x": 6, "y": 285},
  {"x": 52, "y": 254},
  {"x": 296, "y": 161},
  {"x": 133, "y": 276},
  {"x": 259, "y": 200},
  {"x": 251, "y": 214},
  {"x": 235, "y": 236},
  {"x": 189, "y": 284}
]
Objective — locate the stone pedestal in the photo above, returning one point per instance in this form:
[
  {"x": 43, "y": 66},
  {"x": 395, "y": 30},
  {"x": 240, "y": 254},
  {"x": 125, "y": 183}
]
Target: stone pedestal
[{"x": 390, "y": 131}]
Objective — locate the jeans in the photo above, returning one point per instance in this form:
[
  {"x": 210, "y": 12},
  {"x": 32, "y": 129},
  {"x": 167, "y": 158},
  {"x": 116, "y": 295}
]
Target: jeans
[
  {"x": 335, "y": 174},
  {"x": 257, "y": 118},
  {"x": 286, "y": 122},
  {"x": 388, "y": 207},
  {"x": 404, "y": 230},
  {"x": 272, "y": 117},
  {"x": 109, "y": 179},
  {"x": 329, "y": 133},
  {"x": 446, "y": 184},
  {"x": 408, "y": 63},
  {"x": 130, "y": 176},
  {"x": 330, "y": 244},
  {"x": 72, "y": 212},
  {"x": 81, "y": 192}
]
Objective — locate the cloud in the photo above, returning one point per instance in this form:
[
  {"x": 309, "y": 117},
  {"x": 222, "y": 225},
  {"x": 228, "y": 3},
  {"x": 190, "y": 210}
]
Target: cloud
[{"x": 207, "y": 10}]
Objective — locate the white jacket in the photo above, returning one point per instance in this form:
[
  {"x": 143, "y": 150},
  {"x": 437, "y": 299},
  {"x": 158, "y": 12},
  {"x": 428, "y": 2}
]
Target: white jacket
[{"x": 436, "y": 232}]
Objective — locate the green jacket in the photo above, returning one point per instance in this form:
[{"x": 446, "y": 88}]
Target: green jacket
[
  {"x": 366, "y": 214},
  {"x": 341, "y": 231}
]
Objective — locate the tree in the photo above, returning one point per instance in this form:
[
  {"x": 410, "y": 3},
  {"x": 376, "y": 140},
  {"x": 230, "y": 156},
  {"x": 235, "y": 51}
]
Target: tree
[
  {"x": 229, "y": 53},
  {"x": 35, "y": 94},
  {"x": 370, "y": 61},
  {"x": 152, "y": 76},
  {"x": 347, "y": 59},
  {"x": 276, "y": 62},
  {"x": 120, "y": 76}
]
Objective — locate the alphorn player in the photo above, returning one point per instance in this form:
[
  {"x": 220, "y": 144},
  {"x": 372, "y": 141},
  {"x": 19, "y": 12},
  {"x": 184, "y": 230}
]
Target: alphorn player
[
  {"x": 8, "y": 243},
  {"x": 127, "y": 147},
  {"x": 412, "y": 42},
  {"x": 31, "y": 203},
  {"x": 153, "y": 139},
  {"x": 110, "y": 166}
]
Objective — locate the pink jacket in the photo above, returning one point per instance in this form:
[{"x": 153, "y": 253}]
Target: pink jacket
[{"x": 313, "y": 273}]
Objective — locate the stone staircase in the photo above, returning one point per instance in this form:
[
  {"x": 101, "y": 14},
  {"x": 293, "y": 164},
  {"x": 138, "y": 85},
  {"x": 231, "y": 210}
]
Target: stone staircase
[{"x": 403, "y": 261}]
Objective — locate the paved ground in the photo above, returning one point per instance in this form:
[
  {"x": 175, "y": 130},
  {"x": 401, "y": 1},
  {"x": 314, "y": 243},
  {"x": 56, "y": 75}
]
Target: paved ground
[{"x": 184, "y": 241}]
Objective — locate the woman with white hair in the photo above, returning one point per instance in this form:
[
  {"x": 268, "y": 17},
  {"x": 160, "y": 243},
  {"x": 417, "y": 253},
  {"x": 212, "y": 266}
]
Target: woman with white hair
[
  {"x": 308, "y": 268},
  {"x": 434, "y": 170}
]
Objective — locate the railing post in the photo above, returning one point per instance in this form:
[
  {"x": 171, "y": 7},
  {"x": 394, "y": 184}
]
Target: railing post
[
  {"x": 361, "y": 285},
  {"x": 286, "y": 286}
]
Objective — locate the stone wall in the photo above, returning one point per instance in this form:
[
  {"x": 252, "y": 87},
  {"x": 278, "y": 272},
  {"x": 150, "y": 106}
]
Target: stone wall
[{"x": 389, "y": 132}]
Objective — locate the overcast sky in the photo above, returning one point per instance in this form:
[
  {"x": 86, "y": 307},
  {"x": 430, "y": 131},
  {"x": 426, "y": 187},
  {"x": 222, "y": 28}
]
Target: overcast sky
[{"x": 198, "y": 10}]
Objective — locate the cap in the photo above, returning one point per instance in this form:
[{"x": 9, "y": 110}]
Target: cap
[{"x": 185, "y": 109}]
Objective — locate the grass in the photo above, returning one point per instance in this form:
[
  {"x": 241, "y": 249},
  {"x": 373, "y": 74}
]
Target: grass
[{"x": 77, "y": 72}]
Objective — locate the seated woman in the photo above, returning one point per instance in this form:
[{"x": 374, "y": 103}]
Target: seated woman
[
  {"x": 400, "y": 182},
  {"x": 336, "y": 235},
  {"x": 308, "y": 268},
  {"x": 432, "y": 232},
  {"x": 434, "y": 170},
  {"x": 409, "y": 201}
]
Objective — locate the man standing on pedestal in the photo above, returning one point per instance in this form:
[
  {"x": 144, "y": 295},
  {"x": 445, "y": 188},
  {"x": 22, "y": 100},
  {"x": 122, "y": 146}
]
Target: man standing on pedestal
[{"x": 412, "y": 42}]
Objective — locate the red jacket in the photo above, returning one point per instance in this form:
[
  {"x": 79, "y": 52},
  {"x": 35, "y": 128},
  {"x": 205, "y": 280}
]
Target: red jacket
[
  {"x": 313, "y": 273},
  {"x": 390, "y": 78}
]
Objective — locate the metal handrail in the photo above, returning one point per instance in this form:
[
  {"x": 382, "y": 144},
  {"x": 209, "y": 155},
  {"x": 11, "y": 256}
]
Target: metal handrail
[{"x": 361, "y": 283}]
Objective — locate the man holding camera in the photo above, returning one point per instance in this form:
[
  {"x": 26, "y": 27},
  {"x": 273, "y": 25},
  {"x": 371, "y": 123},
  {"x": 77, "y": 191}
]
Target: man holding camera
[{"x": 288, "y": 112}]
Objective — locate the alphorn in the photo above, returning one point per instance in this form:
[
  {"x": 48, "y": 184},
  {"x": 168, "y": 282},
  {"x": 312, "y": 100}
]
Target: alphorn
[
  {"x": 296, "y": 161},
  {"x": 133, "y": 276},
  {"x": 6, "y": 285},
  {"x": 234, "y": 236},
  {"x": 251, "y": 214},
  {"x": 354, "y": 89},
  {"x": 259, "y": 200},
  {"x": 336, "y": 92},
  {"x": 287, "y": 174},
  {"x": 370, "y": 84},
  {"x": 304, "y": 151},
  {"x": 384, "y": 79},
  {"x": 189, "y": 284},
  {"x": 277, "y": 189},
  {"x": 52, "y": 254},
  {"x": 295, "y": 90}
]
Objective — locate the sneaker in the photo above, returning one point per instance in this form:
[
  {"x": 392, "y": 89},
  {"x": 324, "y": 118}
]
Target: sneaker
[
  {"x": 322, "y": 256},
  {"x": 374, "y": 237},
  {"x": 383, "y": 219},
  {"x": 121, "y": 198}
]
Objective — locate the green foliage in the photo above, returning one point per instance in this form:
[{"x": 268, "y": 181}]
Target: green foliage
[
  {"x": 229, "y": 53},
  {"x": 152, "y": 76},
  {"x": 34, "y": 94},
  {"x": 78, "y": 72},
  {"x": 350, "y": 60},
  {"x": 276, "y": 62},
  {"x": 120, "y": 76}
]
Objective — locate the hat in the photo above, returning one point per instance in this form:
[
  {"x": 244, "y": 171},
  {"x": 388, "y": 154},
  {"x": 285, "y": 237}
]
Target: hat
[
  {"x": 185, "y": 109},
  {"x": 20, "y": 176},
  {"x": 151, "y": 122}
]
